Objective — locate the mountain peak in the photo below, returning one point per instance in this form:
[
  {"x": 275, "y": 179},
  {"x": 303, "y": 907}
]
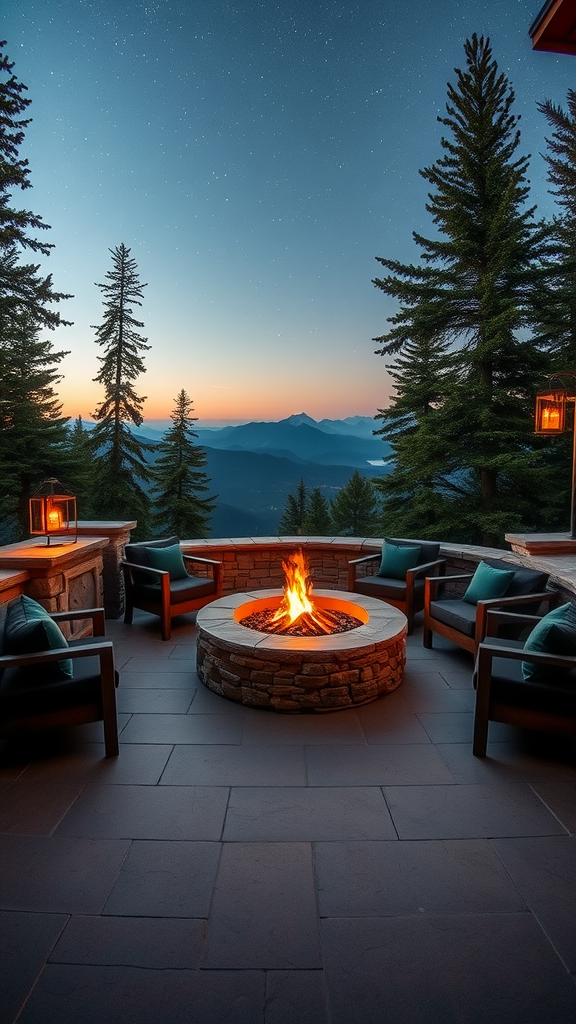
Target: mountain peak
[{"x": 298, "y": 419}]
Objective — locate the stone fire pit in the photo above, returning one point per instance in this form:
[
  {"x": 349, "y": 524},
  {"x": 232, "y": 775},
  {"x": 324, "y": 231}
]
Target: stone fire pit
[{"x": 286, "y": 673}]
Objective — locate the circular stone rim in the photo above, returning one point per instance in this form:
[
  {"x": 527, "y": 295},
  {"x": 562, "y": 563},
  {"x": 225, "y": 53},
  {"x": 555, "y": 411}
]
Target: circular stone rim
[{"x": 219, "y": 619}]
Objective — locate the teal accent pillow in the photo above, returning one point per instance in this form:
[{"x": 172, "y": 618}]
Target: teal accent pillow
[
  {"x": 397, "y": 559},
  {"x": 488, "y": 583},
  {"x": 170, "y": 559},
  {"x": 554, "y": 634},
  {"x": 30, "y": 629}
]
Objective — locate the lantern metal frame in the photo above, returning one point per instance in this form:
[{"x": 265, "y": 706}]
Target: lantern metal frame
[
  {"x": 551, "y": 418},
  {"x": 53, "y": 511}
]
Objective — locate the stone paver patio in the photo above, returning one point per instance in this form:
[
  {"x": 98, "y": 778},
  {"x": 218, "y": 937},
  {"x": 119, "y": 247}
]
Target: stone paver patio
[{"x": 238, "y": 866}]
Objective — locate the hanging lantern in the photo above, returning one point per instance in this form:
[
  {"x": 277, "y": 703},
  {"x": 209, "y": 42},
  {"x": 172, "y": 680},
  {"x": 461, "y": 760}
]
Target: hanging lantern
[
  {"x": 551, "y": 412},
  {"x": 53, "y": 511}
]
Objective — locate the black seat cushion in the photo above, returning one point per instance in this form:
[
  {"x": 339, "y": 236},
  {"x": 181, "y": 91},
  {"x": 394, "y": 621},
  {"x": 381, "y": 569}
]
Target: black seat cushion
[
  {"x": 545, "y": 694},
  {"x": 456, "y": 613},
  {"x": 23, "y": 695},
  {"x": 180, "y": 590}
]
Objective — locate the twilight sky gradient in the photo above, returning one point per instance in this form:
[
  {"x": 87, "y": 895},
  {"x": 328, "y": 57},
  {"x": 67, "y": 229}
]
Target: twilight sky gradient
[{"x": 256, "y": 157}]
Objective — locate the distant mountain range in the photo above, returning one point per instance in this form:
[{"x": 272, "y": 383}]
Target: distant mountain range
[{"x": 253, "y": 467}]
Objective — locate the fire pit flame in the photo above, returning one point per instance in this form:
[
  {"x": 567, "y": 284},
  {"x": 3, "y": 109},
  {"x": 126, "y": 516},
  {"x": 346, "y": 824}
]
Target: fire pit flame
[{"x": 297, "y": 614}]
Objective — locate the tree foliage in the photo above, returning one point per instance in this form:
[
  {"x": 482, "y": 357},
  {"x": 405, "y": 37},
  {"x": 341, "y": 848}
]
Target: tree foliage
[
  {"x": 32, "y": 431},
  {"x": 120, "y": 464},
  {"x": 292, "y": 519},
  {"x": 355, "y": 510},
  {"x": 317, "y": 520},
  {"x": 180, "y": 483},
  {"x": 465, "y": 464}
]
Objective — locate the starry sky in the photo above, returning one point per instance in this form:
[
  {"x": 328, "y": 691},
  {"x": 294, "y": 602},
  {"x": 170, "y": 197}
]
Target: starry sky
[{"x": 255, "y": 157}]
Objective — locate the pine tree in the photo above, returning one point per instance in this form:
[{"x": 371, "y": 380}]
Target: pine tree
[
  {"x": 412, "y": 493},
  {"x": 558, "y": 310},
  {"x": 181, "y": 506},
  {"x": 473, "y": 295},
  {"x": 355, "y": 509},
  {"x": 79, "y": 471},
  {"x": 292, "y": 519},
  {"x": 120, "y": 465},
  {"x": 32, "y": 429},
  {"x": 317, "y": 521},
  {"x": 556, "y": 301},
  {"x": 23, "y": 290}
]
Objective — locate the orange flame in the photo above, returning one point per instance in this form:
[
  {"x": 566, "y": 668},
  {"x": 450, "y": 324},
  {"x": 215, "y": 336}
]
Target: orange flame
[
  {"x": 297, "y": 590},
  {"x": 297, "y": 598}
]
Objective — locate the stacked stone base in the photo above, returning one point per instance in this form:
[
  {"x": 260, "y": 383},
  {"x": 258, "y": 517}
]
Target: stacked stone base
[{"x": 301, "y": 681}]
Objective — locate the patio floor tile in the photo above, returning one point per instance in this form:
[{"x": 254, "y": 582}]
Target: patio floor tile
[
  {"x": 131, "y": 942},
  {"x": 125, "y": 995},
  {"x": 25, "y": 944},
  {"x": 183, "y": 729},
  {"x": 544, "y": 871},
  {"x": 35, "y": 808},
  {"x": 376, "y": 765},
  {"x": 395, "y": 879},
  {"x": 224, "y": 765},
  {"x": 295, "y": 997},
  {"x": 165, "y": 879},
  {"x": 279, "y": 814},
  {"x": 147, "y": 812},
  {"x": 55, "y": 875},
  {"x": 253, "y": 921},
  {"x": 468, "y": 812},
  {"x": 468, "y": 969}
]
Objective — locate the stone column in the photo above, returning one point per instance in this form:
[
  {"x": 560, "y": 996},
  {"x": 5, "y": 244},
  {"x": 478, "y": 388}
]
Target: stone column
[{"x": 118, "y": 534}]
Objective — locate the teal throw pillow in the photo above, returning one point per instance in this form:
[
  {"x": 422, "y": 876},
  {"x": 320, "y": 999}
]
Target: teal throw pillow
[
  {"x": 170, "y": 559},
  {"x": 29, "y": 629},
  {"x": 488, "y": 583},
  {"x": 554, "y": 634},
  {"x": 397, "y": 559}
]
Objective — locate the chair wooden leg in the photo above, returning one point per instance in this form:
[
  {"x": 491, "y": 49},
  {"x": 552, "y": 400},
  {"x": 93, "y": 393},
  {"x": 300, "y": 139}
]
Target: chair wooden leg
[
  {"x": 480, "y": 740},
  {"x": 109, "y": 703},
  {"x": 166, "y": 625}
]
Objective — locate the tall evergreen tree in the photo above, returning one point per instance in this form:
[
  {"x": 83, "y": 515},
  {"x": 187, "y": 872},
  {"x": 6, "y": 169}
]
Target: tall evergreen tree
[
  {"x": 412, "y": 494},
  {"x": 473, "y": 295},
  {"x": 556, "y": 302},
  {"x": 79, "y": 471},
  {"x": 32, "y": 429},
  {"x": 23, "y": 290},
  {"x": 181, "y": 505},
  {"x": 292, "y": 519},
  {"x": 355, "y": 509},
  {"x": 558, "y": 308},
  {"x": 120, "y": 464},
  {"x": 317, "y": 520}
]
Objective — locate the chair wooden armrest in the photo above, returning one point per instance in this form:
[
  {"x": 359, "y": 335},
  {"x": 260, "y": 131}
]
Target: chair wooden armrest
[
  {"x": 510, "y": 714},
  {"x": 352, "y": 566},
  {"x": 496, "y": 618},
  {"x": 87, "y": 650},
  {"x": 216, "y": 570},
  {"x": 433, "y": 569},
  {"x": 98, "y": 616},
  {"x": 432, "y": 584},
  {"x": 105, "y": 654},
  {"x": 483, "y": 608},
  {"x": 134, "y": 567}
]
